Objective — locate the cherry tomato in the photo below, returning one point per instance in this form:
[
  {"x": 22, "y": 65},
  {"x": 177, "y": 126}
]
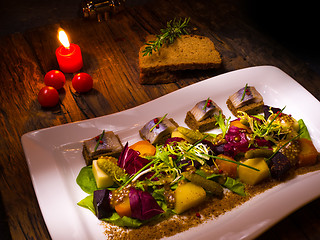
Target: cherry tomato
[
  {"x": 48, "y": 96},
  {"x": 55, "y": 78},
  {"x": 82, "y": 82}
]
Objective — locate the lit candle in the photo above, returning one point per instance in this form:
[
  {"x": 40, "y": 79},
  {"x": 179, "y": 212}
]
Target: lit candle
[{"x": 68, "y": 55}]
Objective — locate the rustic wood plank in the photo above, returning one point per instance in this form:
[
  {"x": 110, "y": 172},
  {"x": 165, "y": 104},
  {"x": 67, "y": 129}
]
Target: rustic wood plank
[{"x": 18, "y": 68}]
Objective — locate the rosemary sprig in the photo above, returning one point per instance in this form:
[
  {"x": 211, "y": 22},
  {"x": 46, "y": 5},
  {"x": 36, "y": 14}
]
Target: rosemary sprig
[{"x": 168, "y": 35}]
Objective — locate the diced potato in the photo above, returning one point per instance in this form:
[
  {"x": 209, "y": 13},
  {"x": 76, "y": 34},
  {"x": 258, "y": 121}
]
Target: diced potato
[
  {"x": 251, "y": 176},
  {"x": 308, "y": 154},
  {"x": 187, "y": 196},
  {"x": 103, "y": 180}
]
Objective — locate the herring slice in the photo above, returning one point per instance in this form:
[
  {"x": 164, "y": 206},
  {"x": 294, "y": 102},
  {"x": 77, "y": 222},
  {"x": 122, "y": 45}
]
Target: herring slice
[
  {"x": 108, "y": 145},
  {"x": 245, "y": 96},
  {"x": 205, "y": 109},
  {"x": 157, "y": 134}
]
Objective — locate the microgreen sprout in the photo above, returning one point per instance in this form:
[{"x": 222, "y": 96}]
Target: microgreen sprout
[
  {"x": 262, "y": 128},
  {"x": 223, "y": 123}
]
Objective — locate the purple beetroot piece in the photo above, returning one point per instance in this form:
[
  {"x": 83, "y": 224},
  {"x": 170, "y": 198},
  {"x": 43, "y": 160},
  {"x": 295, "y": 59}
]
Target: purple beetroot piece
[
  {"x": 101, "y": 202},
  {"x": 279, "y": 166}
]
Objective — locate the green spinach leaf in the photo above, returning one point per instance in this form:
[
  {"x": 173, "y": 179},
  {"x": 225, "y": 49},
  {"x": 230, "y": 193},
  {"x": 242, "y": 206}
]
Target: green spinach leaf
[
  {"x": 87, "y": 202},
  {"x": 235, "y": 186},
  {"x": 86, "y": 180},
  {"x": 123, "y": 221},
  {"x": 303, "y": 131}
]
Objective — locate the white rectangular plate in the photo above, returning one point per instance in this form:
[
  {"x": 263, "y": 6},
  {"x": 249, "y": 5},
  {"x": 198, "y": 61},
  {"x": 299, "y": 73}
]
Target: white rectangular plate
[{"x": 54, "y": 157}]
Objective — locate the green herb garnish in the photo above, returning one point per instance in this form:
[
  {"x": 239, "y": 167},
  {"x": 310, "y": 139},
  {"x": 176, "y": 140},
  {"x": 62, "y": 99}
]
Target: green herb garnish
[
  {"x": 267, "y": 129},
  {"x": 205, "y": 106},
  {"x": 168, "y": 35},
  {"x": 98, "y": 142},
  {"x": 158, "y": 122},
  {"x": 303, "y": 130},
  {"x": 137, "y": 173},
  {"x": 244, "y": 92},
  {"x": 276, "y": 117},
  {"x": 224, "y": 126},
  {"x": 193, "y": 145},
  {"x": 235, "y": 162}
]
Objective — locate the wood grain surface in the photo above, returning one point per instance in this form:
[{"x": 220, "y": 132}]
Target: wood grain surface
[{"x": 110, "y": 54}]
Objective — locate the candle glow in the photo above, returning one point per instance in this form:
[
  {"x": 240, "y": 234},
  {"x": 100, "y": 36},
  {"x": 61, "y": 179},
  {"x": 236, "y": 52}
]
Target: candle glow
[
  {"x": 68, "y": 55},
  {"x": 63, "y": 38}
]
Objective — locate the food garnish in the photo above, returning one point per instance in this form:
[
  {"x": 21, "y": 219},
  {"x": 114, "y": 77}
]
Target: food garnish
[
  {"x": 168, "y": 35},
  {"x": 207, "y": 104},
  {"x": 157, "y": 122},
  {"x": 99, "y": 141},
  {"x": 223, "y": 123},
  {"x": 189, "y": 167},
  {"x": 244, "y": 92}
]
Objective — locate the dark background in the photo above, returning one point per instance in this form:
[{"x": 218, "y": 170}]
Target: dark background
[{"x": 293, "y": 24}]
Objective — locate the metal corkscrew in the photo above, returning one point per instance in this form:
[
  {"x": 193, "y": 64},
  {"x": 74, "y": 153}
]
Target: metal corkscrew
[{"x": 101, "y": 9}]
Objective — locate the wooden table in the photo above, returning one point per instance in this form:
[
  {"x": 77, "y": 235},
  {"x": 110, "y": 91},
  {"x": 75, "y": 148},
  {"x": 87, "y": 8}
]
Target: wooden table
[{"x": 110, "y": 53}]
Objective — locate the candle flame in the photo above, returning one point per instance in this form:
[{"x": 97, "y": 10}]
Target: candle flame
[{"x": 63, "y": 38}]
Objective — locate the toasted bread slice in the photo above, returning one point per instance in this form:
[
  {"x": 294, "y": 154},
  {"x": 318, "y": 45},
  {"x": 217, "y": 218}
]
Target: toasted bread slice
[
  {"x": 160, "y": 77},
  {"x": 186, "y": 52}
]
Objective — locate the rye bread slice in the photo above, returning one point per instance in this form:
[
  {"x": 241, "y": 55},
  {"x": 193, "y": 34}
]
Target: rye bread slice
[{"x": 187, "y": 52}]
